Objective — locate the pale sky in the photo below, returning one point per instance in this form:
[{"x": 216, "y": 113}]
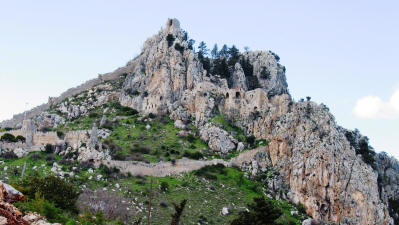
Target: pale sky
[{"x": 341, "y": 53}]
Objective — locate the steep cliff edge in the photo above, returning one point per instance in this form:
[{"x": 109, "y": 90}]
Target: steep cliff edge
[{"x": 311, "y": 151}]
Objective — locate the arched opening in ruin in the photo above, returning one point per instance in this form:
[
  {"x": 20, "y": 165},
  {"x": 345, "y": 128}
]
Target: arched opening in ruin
[
  {"x": 227, "y": 95},
  {"x": 237, "y": 94}
]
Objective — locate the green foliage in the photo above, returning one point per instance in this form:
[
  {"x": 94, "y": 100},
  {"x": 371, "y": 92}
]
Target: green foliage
[
  {"x": 5, "y": 129},
  {"x": 53, "y": 189},
  {"x": 262, "y": 211},
  {"x": 178, "y": 212},
  {"x": 394, "y": 209},
  {"x": 275, "y": 56},
  {"x": 44, "y": 207},
  {"x": 93, "y": 115},
  {"x": 234, "y": 55},
  {"x": 251, "y": 140},
  {"x": 170, "y": 38},
  {"x": 9, "y": 155},
  {"x": 164, "y": 186},
  {"x": 247, "y": 67},
  {"x": 301, "y": 208},
  {"x": 191, "y": 43},
  {"x": 209, "y": 172},
  {"x": 122, "y": 110},
  {"x": 214, "y": 52},
  {"x": 179, "y": 48},
  {"x": 8, "y": 137},
  {"x": 60, "y": 134},
  {"x": 48, "y": 148},
  {"x": 202, "y": 49},
  {"x": 220, "y": 67},
  {"x": 20, "y": 138},
  {"x": 224, "y": 52},
  {"x": 193, "y": 155},
  {"x": 366, "y": 152},
  {"x": 265, "y": 73}
]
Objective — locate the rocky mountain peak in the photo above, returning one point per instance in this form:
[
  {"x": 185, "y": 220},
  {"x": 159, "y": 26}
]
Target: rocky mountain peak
[
  {"x": 230, "y": 98},
  {"x": 172, "y": 26}
]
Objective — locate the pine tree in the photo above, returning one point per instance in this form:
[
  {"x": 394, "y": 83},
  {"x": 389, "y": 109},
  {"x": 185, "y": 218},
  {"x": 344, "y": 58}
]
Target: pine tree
[
  {"x": 214, "y": 52},
  {"x": 234, "y": 55},
  {"x": 224, "y": 52},
  {"x": 202, "y": 49},
  {"x": 234, "y": 52},
  {"x": 191, "y": 43}
]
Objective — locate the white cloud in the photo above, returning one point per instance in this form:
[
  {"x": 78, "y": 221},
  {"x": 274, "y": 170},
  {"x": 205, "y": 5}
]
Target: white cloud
[{"x": 373, "y": 107}]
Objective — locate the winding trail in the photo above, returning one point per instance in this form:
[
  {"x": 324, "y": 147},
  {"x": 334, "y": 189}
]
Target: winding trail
[{"x": 184, "y": 165}]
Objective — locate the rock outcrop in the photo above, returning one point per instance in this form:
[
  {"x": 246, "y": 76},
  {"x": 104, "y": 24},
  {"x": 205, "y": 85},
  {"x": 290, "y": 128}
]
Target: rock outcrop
[
  {"x": 10, "y": 215},
  {"x": 319, "y": 164},
  {"x": 309, "y": 149}
]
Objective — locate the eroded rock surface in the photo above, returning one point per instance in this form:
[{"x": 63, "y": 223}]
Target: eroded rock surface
[
  {"x": 313, "y": 156},
  {"x": 309, "y": 149}
]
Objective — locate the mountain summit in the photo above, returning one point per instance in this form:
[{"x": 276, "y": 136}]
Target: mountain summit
[{"x": 331, "y": 170}]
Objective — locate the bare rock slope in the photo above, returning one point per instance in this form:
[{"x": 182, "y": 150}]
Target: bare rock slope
[
  {"x": 311, "y": 151},
  {"x": 329, "y": 169}
]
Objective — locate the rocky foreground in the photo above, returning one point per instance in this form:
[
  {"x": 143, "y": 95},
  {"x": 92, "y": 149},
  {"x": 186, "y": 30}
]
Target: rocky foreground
[{"x": 332, "y": 171}]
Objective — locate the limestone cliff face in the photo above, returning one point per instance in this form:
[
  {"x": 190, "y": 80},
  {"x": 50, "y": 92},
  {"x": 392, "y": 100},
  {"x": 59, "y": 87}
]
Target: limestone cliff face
[
  {"x": 309, "y": 149},
  {"x": 317, "y": 159}
]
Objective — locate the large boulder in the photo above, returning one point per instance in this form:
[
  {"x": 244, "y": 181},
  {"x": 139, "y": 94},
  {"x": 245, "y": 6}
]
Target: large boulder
[
  {"x": 8, "y": 212},
  {"x": 218, "y": 139}
]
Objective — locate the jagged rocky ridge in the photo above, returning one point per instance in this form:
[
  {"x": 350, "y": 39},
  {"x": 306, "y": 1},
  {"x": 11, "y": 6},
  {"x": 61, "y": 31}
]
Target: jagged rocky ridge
[{"x": 319, "y": 160}]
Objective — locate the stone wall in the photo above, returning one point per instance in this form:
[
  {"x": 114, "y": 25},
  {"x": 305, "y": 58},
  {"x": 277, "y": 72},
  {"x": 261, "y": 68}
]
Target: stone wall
[
  {"x": 39, "y": 139},
  {"x": 17, "y": 119},
  {"x": 76, "y": 138},
  {"x": 43, "y": 138},
  {"x": 11, "y": 145}
]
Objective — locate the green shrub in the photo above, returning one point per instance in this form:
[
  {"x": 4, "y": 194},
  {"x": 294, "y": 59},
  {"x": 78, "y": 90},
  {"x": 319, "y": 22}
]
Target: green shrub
[
  {"x": 52, "y": 188},
  {"x": 93, "y": 115},
  {"x": 20, "y": 138},
  {"x": 8, "y": 138},
  {"x": 44, "y": 207},
  {"x": 262, "y": 211},
  {"x": 140, "y": 149},
  {"x": 251, "y": 140},
  {"x": 179, "y": 48},
  {"x": 170, "y": 38},
  {"x": 164, "y": 186},
  {"x": 60, "y": 134},
  {"x": 209, "y": 172},
  {"x": 301, "y": 208},
  {"x": 9, "y": 155},
  {"x": 366, "y": 152},
  {"x": 191, "y": 138},
  {"x": 195, "y": 155},
  {"x": 48, "y": 148}
]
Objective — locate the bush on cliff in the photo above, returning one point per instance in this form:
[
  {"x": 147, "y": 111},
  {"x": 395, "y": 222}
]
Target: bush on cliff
[
  {"x": 20, "y": 138},
  {"x": 52, "y": 188},
  {"x": 7, "y": 137},
  {"x": 261, "y": 211}
]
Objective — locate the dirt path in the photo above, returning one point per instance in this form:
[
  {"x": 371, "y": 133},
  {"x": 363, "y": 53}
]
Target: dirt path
[{"x": 184, "y": 165}]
